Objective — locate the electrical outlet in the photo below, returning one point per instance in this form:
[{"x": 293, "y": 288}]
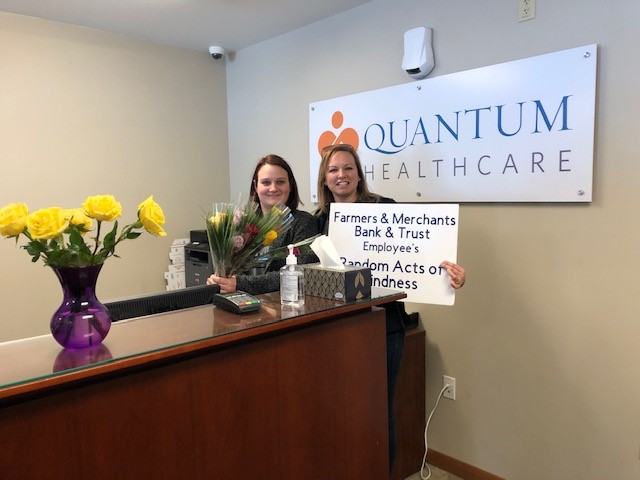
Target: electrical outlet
[
  {"x": 526, "y": 10},
  {"x": 450, "y": 392}
]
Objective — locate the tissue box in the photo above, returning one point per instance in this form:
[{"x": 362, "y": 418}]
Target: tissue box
[{"x": 352, "y": 283}]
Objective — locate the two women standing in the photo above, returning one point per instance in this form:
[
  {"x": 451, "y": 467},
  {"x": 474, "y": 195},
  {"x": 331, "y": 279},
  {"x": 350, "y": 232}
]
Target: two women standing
[{"x": 340, "y": 180}]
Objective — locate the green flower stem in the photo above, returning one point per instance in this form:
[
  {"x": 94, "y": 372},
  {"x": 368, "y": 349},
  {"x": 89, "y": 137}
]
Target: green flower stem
[{"x": 97, "y": 239}]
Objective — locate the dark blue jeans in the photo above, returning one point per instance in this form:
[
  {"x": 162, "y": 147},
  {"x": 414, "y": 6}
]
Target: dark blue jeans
[{"x": 395, "y": 349}]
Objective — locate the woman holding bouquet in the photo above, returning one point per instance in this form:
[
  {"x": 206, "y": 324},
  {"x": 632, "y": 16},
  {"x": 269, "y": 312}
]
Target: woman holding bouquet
[
  {"x": 273, "y": 184},
  {"x": 341, "y": 180}
]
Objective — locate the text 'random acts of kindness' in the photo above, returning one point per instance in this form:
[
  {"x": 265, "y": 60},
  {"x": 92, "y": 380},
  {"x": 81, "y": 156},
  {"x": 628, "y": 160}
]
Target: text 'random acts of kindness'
[{"x": 402, "y": 244}]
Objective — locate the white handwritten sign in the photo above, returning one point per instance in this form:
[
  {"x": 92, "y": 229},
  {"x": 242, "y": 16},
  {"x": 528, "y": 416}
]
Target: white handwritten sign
[{"x": 403, "y": 244}]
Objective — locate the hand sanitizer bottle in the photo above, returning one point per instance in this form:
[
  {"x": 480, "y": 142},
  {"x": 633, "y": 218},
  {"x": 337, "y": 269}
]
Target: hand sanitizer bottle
[{"x": 292, "y": 281}]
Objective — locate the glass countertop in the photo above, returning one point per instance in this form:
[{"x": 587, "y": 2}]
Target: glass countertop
[{"x": 145, "y": 339}]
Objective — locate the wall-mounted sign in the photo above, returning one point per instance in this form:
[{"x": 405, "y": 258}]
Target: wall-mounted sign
[
  {"x": 520, "y": 131},
  {"x": 402, "y": 244}
]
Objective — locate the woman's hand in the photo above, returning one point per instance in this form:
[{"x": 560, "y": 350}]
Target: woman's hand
[
  {"x": 226, "y": 284},
  {"x": 456, "y": 272}
]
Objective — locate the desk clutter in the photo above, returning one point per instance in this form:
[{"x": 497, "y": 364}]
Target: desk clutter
[
  {"x": 175, "y": 274},
  {"x": 190, "y": 266}
]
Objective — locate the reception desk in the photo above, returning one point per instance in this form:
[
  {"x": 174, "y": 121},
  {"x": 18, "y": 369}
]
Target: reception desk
[{"x": 202, "y": 393}]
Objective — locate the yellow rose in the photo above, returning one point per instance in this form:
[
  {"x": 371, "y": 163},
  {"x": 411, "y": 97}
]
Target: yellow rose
[
  {"x": 76, "y": 216},
  {"x": 13, "y": 219},
  {"x": 47, "y": 223},
  {"x": 218, "y": 217},
  {"x": 269, "y": 237},
  {"x": 102, "y": 207},
  {"x": 152, "y": 217}
]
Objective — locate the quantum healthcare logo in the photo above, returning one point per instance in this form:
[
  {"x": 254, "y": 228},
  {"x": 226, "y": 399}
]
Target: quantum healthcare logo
[{"x": 388, "y": 138}]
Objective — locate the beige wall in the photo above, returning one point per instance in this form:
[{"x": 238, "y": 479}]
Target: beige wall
[
  {"x": 83, "y": 112},
  {"x": 543, "y": 341}
]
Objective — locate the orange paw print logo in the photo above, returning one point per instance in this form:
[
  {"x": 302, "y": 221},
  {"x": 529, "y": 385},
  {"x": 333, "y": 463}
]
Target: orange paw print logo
[{"x": 347, "y": 135}]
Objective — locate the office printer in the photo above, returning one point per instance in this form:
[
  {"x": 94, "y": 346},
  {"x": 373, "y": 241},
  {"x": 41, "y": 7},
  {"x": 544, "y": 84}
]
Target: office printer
[{"x": 197, "y": 259}]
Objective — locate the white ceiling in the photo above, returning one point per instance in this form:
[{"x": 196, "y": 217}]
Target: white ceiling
[{"x": 193, "y": 24}]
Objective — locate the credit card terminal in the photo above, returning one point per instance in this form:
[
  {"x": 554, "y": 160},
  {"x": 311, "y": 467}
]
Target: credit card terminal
[{"x": 236, "y": 302}]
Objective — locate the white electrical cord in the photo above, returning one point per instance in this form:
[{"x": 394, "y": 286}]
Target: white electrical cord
[{"x": 426, "y": 448}]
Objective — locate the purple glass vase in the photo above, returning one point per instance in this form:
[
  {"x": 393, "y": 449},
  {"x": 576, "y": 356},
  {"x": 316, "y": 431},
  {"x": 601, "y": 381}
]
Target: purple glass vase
[{"x": 81, "y": 321}]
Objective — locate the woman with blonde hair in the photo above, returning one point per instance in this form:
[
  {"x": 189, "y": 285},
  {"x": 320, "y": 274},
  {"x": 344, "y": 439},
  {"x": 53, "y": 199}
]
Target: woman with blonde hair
[{"x": 341, "y": 180}]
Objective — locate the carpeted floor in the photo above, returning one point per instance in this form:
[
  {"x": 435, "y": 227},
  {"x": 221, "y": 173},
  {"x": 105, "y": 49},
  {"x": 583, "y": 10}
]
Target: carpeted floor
[{"x": 436, "y": 474}]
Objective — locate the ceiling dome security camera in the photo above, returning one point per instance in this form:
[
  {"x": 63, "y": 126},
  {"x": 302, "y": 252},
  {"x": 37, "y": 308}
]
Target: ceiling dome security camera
[{"x": 217, "y": 52}]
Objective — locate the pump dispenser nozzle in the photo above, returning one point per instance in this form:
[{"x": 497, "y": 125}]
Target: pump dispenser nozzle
[{"x": 291, "y": 258}]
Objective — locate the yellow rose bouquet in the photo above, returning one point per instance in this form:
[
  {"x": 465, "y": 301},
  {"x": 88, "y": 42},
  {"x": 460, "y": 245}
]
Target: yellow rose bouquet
[
  {"x": 239, "y": 235},
  {"x": 57, "y": 235}
]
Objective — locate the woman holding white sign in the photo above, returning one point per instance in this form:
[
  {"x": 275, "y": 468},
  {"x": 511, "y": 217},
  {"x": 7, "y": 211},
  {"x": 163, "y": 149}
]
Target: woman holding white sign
[{"x": 341, "y": 180}]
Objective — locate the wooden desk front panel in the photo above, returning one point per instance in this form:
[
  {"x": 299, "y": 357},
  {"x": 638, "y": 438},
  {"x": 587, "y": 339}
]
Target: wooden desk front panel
[{"x": 305, "y": 404}]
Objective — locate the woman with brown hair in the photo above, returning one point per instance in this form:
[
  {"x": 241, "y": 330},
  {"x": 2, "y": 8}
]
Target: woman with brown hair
[{"x": 273, "y": 183}]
